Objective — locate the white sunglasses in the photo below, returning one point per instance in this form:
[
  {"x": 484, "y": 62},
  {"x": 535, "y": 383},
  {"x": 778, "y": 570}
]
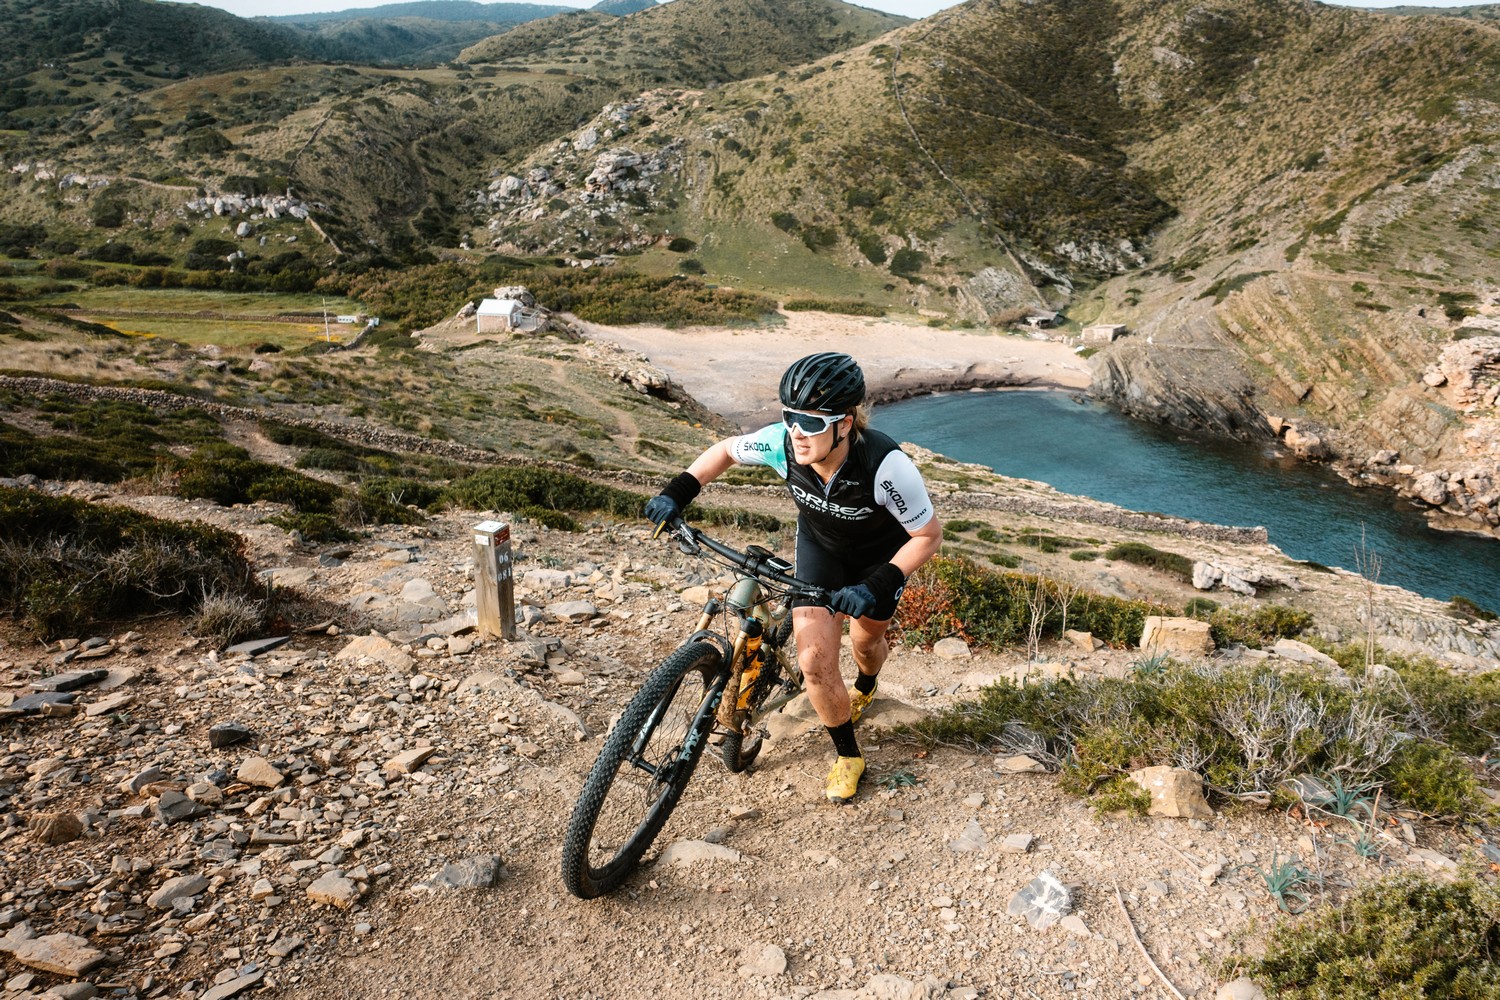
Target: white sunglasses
[{"x": 809, "y": 424}]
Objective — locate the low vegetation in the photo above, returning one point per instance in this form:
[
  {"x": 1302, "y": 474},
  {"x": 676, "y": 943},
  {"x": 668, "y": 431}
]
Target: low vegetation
[
  {"x": 1402, "y": 936},
  {"x": 66, "y": 564}
]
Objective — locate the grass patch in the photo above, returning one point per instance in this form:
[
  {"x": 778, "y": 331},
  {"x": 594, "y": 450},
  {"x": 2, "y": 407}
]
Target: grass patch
[{"x": 69, "y": 564}]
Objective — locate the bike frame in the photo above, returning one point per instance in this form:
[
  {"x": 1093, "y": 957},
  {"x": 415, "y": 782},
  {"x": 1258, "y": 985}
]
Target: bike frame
[{"x": 750, "y": 599}]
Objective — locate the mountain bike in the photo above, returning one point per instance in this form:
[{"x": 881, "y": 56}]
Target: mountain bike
[{"x": 741, "y": 645}]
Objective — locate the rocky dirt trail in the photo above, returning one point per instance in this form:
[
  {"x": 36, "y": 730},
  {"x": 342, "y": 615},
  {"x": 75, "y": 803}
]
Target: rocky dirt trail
[{"x": 375, "y": 809}]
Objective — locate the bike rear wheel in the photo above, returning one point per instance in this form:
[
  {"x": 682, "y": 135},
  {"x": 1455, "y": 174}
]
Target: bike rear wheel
[{"x": 640, "y": 773}]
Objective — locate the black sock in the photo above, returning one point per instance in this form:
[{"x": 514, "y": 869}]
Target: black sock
[
  {"x": 843, "y": 739},
  {"x": 864, "y": 683}
]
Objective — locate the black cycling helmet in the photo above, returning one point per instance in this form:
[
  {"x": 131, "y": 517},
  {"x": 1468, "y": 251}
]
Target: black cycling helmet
[{"x": 828, "y": 381}]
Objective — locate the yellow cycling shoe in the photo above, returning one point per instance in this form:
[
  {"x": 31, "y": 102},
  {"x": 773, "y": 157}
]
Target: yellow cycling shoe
[
  {"x": 858, "y": 702},
  {"x": 843, "y": 780}
]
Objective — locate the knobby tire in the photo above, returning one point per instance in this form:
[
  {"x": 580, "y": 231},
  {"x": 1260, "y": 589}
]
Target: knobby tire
[{"x": 623, "y": 805}]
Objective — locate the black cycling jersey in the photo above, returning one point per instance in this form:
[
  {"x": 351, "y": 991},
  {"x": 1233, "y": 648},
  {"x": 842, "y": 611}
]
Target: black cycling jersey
[{"x": 866, "y": 512}]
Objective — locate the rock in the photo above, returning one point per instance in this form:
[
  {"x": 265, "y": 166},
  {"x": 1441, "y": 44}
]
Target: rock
[
  {"x": 334, "y": 890},
  {"x": 175, "y": 807},
  {"x": 63, "y": 954},
  {"x": 1021, "y": 764},
  {"x": 691, "y": 852},
  {"x": 259, "y": 772},
  {"x": 1240, "y": 989},
  {"x": 377, "y": 648},
  {"x": 1301, "y": 652},
  {"x": 972, "y": 838},
  {"x": 73, "y": 991},
  {"x": 1431, "y": 487},
  {"x": 573, "y": 611},
  {"x": 234, "y": 987},
  {"x": 105, "y": 706},
  {"x": 55, "y": 828},
  {"x": 71, "y": 681},
  {"x": 1043, "y": 902},
  {"x": 284, "y": 946},
  {"x": 1175, "y": 791},
  {"x": 1205, "y": 575},
  {"x": 1074, "y": 924},
  {"x": 886, "y": 986},
  {"x": 409, "y": 761},
  {"x": 1016, "y": 843},
  {"x": 37, "y": 702},
  {"x": 255, "y": 647},
  {"x": 767, "y": 961},
  {"x": 484, "y": 871},
  {"x": 1305, "y": 444},
  {"x": 1181, "y": 636},
  {"x": 173, "y": 889},
  {"x": 696, "y": 596},
  {"x": 952, "y": 648},
  {"x": 1435, "y": 379},
  {"x": 1084, "y": 641},
  {"x": 227, "y": 734}
]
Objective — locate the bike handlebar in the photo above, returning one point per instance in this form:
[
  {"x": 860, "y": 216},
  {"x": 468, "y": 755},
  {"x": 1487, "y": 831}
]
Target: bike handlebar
[{"x": 760, "y": 566}]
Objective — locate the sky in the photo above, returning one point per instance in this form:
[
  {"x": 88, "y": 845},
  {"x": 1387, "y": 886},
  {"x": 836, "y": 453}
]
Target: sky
[{"x": 910, "y": 8}]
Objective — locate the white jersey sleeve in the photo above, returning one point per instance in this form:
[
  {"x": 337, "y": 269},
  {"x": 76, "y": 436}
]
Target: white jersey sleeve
[
  {"x": 766, "y": 446},
  {"x": 899, "y": 489}
]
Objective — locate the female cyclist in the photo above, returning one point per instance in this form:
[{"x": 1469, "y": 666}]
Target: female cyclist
[{"x": 864, "y": 524}]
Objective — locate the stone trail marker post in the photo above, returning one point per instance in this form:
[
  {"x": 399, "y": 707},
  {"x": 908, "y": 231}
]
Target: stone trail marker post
[{"x": 495, "y": 595}]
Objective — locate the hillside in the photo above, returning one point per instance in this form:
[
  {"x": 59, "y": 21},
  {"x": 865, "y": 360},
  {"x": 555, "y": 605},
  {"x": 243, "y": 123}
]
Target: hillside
[
  {"x": 1294, "y": 196},
  {"x": 374, "y": 739},
  {"x": 693, "y": 43}
]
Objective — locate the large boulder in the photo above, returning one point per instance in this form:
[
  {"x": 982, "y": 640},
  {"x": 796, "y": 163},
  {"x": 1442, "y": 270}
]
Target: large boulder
[
  {"x": 1176, "y": 636},
  {"x": 1175, "y": 791}
]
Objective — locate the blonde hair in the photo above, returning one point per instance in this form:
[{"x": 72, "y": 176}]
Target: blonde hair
[{"x": 861, "y": 415}]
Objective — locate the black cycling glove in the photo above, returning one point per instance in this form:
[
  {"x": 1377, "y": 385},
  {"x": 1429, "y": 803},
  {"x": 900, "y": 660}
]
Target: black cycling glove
[
  {"x": 860, "y": 599},
  {"x": 676, "y": 495}
]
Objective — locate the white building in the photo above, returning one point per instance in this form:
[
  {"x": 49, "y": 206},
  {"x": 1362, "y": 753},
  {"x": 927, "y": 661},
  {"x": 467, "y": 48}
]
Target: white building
[{"x": 498, "y": 315}]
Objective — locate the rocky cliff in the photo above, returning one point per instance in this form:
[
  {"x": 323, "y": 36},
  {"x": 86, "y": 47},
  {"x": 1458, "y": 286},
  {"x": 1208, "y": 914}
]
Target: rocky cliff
[{"x": 1399, "y": 398}]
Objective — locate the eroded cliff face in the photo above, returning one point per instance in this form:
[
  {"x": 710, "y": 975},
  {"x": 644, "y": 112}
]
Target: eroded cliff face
[
  {"x": 1389, "y": 396},
  {"x": 1179, "y": 369}
]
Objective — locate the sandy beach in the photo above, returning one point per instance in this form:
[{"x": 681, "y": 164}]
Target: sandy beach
[{"x": 735, "y": 372}]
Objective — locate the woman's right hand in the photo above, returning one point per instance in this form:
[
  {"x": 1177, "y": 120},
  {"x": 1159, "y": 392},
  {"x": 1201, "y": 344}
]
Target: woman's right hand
[{"x": 661, "y": 508}]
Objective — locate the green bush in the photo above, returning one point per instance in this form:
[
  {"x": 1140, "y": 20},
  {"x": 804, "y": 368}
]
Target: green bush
[
  {"x": 1142, "y": 554},
  {"x": 1434, "y": 779},
  {"x": 1257, "y": 629},
  {"x": 518, "y": 490},
  {"x": 907, "y": 262},
  {"x": 1406, "y": 936},
  {"x": 69, "y": 565},
  {"x": 400, "y": 491},
  {"x": 994, "y": 609},
  {"x": 841, "y": 306}
]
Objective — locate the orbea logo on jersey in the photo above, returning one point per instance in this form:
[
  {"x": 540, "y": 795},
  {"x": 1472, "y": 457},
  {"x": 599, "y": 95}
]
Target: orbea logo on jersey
[
  {"x": 896, "y": 497},
  {"x": 836, "y": 509}
]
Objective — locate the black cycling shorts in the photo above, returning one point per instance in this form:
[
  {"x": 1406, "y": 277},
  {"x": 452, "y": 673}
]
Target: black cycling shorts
[{"x": 818, "y": 565}]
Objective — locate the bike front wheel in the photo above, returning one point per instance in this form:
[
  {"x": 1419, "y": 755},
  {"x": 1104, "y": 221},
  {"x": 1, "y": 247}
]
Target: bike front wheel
[{"x": 640, "y": 773}]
